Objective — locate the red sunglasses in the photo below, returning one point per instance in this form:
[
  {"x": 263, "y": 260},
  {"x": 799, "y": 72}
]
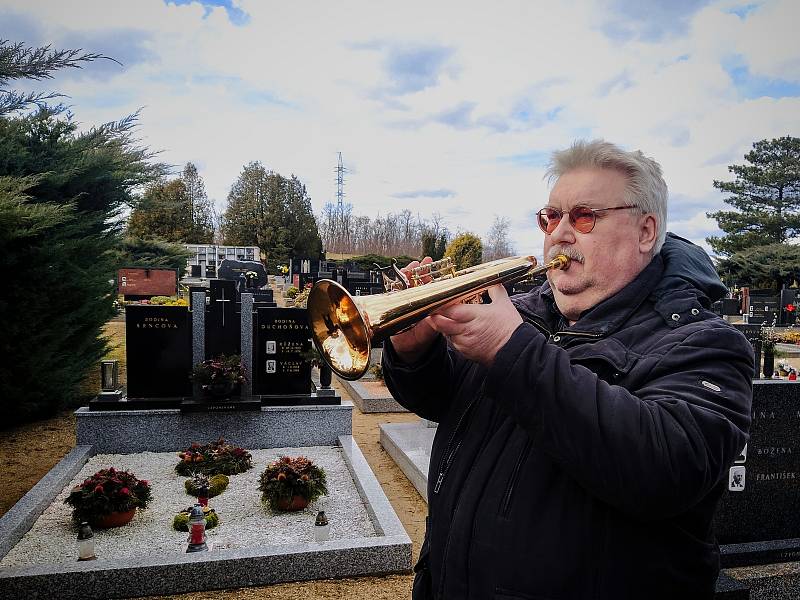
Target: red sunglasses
[{"x": 582, "y": 218}]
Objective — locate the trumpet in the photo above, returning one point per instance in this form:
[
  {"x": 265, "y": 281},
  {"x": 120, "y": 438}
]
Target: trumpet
[{"x": 343, "y": 326}]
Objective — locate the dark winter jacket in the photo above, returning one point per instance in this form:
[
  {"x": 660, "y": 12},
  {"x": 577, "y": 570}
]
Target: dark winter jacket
[{"x": 587, "y": 461}]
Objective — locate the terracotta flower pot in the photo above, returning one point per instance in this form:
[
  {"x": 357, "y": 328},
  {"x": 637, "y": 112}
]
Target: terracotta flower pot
[
  {"x": 115, "y": 519},
  {"x": 295, "y": 503}
]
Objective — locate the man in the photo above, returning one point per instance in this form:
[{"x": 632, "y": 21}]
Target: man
[{"x": 586, "y": 428}]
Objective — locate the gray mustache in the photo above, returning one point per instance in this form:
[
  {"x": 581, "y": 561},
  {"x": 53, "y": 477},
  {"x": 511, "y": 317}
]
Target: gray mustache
[{"x": 567, "y": 251}]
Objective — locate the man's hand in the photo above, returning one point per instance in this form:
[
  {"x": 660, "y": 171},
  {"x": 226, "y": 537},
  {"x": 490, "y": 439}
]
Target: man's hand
[
  {"x": 478, "y": 331},
  {"x": 413, "y": 342}
]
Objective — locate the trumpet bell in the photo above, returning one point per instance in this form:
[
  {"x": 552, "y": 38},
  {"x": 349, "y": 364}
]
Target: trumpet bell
[{"x": 339, "y": 329}]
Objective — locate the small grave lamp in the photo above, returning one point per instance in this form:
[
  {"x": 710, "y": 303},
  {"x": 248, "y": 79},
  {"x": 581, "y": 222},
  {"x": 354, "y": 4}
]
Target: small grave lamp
[
  {"x": 85, "y": 542},
  {"x": 109, "y": 380},
  {"x": 202, "y": 495},
  {"x": 109, "y": 375},
  {"x": 322, "y": 529},
  {"x": 197, "y": 530}
]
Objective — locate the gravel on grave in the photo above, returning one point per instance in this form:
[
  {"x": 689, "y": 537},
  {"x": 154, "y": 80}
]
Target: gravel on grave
[{"x": 244, "y": 521}]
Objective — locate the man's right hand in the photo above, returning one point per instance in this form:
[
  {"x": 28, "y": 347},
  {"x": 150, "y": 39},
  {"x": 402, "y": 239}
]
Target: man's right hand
[{"x": 412, "y": 343}]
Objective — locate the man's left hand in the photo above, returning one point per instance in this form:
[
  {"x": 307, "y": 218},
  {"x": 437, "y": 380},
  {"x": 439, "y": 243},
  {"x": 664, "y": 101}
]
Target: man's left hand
[{"x": 478, "y": 331}]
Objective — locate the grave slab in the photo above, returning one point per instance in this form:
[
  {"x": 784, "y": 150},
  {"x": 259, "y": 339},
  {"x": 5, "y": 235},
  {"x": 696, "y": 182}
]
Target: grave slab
[
  {"x": 371, "y": 396},
  {"x": 388, "y": 552},
  {"x": 409, "y": 445}
]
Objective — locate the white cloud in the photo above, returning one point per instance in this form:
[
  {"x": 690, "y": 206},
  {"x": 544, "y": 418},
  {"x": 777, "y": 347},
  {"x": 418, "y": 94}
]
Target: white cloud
[{"x": 462, "y": 97}]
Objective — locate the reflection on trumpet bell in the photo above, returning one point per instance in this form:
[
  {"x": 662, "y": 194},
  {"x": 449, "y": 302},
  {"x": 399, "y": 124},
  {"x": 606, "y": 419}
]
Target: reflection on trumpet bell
[{"x": 344, "y": 326}]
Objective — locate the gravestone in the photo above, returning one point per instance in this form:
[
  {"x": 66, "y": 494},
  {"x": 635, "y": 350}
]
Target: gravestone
[
  {"x": 282, "y": 337},
  {"x": 139, "y": 283},
  {"x": 158, "y": 351},
  {"x": 223, "y": 331},
  {"x": 364, "y": 288},
  {"x": 758, "y": 514},
  {"x": 753, "y": 334},
  {"x": 230, "y": 270},
  {"x": 264, "y": 297},
  {"x": 763, "y": 309}
]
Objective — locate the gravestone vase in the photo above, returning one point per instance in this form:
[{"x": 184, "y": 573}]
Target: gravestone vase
[{"x": 769, "y": 362}]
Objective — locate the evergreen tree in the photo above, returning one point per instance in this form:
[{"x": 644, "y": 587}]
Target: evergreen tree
[
  {"x": 61, "y": 194},
  {"x": 466, "y": 250},
  {"x": 175, "y": 210},
  {"x": 766, "y": 196},
  {"x": 272, "y": 212},
  {"x": 152, "y": 252}
]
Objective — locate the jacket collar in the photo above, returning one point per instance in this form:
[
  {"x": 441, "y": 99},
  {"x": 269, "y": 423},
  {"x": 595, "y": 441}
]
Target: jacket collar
[{"x": 603, "y": 318}]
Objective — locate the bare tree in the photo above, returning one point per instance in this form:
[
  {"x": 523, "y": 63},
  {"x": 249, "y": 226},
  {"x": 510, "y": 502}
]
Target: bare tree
[{"x": 497, "y": 244}]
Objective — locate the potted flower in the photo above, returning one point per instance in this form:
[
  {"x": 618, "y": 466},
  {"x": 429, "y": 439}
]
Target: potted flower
[
  {"x": 291, "y": 483},
  {"x": 769, "y": 338},
  {"x": 211, "y": 459},
  {"x": 219, "y": 377},
  {"x": 109, "y": 498}
]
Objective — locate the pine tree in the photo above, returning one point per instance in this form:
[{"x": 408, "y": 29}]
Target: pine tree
[
  {"x": 766, "y": 196},
  {"x": 272, "y": 212}
]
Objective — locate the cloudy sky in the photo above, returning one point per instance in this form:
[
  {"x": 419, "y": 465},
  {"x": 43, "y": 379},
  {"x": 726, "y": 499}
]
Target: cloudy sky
[{"x": 447, "y": 107}]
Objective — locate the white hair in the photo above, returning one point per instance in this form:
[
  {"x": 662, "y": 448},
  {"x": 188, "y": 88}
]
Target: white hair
[{"x": 646, "y": 187}]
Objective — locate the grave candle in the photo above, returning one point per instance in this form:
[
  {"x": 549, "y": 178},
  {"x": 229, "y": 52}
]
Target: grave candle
[
  {"x": 322, "y": 529},
  {"x": 202, "y": 495},
  {"x": 85, "y": 542},
  {"x": 197, "y": 530}
]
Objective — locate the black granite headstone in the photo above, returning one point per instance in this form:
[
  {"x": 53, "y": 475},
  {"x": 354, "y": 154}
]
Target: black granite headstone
[
  {"x": 759, "y": 511},
  {"x": 763, "y": 309},
  {"x": 753, "y": 335},
  {"x": 195, "y": 271},
  {"x": 232, "y": 269},
  {"x": 158, "y": 351},
  {"x": 223, "y": 328},
  {"x": 282, "y": 337}
]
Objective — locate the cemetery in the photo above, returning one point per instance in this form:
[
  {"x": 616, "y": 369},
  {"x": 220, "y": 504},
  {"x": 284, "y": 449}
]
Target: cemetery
[
  {"x": 189, "y": 413},
  {"x": 272, "y": 409}
]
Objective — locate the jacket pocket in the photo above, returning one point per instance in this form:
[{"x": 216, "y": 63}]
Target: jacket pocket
[
  {"x": 505, "y": 594},
  {"x": 505, "y": 503}
]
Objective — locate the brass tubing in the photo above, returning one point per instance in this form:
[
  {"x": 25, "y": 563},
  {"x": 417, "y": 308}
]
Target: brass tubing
[{"x": 344, "y": 326}]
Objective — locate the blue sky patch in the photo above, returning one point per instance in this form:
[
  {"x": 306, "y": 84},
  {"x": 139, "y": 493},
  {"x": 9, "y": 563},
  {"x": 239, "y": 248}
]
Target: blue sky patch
[
  {"x": 412, "y": 69},
  {"x": 755, "y": 86},
  {"x": 235, "y": 14},
  {"x": 440, "y": 193},
  {"x": 527, "y": 160},
  {"x": 649, "y": 20},
  {"x": 743, "y": 10}
]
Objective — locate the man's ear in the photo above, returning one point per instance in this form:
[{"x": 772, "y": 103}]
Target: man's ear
[{"x": 648, "y": 231}]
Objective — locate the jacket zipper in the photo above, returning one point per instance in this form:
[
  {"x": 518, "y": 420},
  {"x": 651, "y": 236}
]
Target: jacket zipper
[
  {"x": 506, "y": 504},
  {"x": 449, "y": 452}
]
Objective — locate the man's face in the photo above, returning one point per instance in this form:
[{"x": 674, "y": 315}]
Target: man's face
[{"x": 607, "y": 258}]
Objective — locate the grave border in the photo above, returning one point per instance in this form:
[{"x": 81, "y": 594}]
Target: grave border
[
  {"x": 367, "y": 402},
  {"x": 388, "y": 552}
]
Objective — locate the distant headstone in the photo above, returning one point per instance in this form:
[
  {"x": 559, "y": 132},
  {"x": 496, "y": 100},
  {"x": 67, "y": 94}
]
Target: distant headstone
[
  {"x": 158, "y": 351},
  {"x": 233, "y": 269},
  {"x": 763, "y": 309},
  {"x": 223, "y": 331},
  {"x": 762, "y": 501},
  {"x": 139, "y": 283},
  {"x": 364, "y": 288},
  {"x": 194, "y": 271},
  {"x": 753, "y": 334},
  {"x": 282, "y": 337},
  {"x": 263, "y": 296}
]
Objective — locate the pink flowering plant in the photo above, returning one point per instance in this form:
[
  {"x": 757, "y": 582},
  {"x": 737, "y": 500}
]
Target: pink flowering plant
[
  {"x": 219, "y": 370},
  {"x": 108, "y": 491}
]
